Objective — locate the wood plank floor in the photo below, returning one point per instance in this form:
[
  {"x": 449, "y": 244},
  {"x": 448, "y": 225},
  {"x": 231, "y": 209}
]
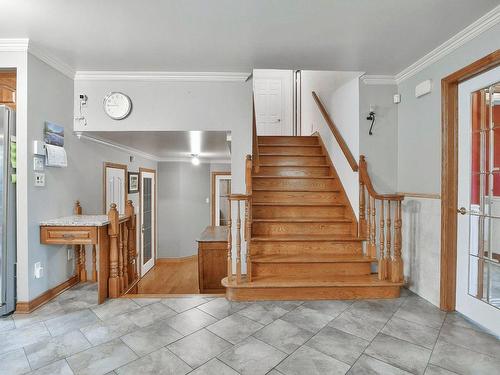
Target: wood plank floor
[{"x": 171, "y": 276}]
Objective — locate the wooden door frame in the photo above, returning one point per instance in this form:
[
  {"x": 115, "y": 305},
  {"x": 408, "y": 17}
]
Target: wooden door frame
[
  {"x": 449, "y": 173},
  {"x": 108, "y": 164},
  {"x": 213, "y": 178},
  {"x": 153, "y": 171}
]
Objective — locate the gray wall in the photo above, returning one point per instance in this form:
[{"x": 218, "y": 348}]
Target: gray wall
[
  {"x": 183, "y": 212},
  {"x": 50, "y": 98},
  {"x": 380, "y": 149}
]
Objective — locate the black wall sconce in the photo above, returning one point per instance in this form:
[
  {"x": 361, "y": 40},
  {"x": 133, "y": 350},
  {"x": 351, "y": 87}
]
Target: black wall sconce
[{"x": 371, "y": 117}]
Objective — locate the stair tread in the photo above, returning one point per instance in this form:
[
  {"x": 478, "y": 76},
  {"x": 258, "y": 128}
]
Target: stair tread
[
  {"x": 285, "y": 145},
  {"x": 303, "y": 220},
  {"x": 301, "y": 177},
  {"x": 292, "y": 154},
  {"x": 312, "y": 258},
  {"x": 297, "y": 204},
  {"x": 341, "y": 281},
  {"x": 295, "y": 165},
  {"x": 307, "y": 238}
]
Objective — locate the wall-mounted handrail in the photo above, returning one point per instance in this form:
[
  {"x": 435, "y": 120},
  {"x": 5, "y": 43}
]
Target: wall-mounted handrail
[
  {"x": 336, "y": 133},
  {"x": 255, "y": 144}
]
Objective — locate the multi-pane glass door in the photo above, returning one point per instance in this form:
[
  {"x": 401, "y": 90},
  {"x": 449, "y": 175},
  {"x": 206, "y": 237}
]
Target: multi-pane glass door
[{"x": 148, "y": 217}]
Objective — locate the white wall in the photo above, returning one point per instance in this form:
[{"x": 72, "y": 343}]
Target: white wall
[
  {"x": 163, "y": 105},
  {"x": 419, "y": 158},
  {"x": 50, "y": 98},
  {"x": 339, "y": 93},
  {"x": 183, "y": 212},
  {"x": 380, "y": 148}
]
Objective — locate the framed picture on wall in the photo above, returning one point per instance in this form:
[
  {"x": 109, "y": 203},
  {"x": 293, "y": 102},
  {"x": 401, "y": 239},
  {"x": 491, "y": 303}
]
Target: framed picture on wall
[{"x": 133, "y": 182}]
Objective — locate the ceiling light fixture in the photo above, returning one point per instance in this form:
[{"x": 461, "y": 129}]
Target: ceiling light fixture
[{"x": 195, "y": 159}]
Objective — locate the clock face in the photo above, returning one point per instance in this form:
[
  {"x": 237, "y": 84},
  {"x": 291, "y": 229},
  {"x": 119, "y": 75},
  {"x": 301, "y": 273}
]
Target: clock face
[{"x": 117, "y": 105}]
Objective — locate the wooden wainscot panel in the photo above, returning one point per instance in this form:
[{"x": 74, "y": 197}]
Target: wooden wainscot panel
[{"x": 64, "y": 235}]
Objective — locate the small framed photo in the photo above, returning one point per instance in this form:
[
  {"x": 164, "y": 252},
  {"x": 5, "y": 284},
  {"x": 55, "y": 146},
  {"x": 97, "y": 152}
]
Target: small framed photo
[{"x": 133, "y": 182}]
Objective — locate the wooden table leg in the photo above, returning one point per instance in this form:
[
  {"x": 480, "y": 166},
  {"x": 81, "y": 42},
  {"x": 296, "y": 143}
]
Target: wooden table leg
[
  {"x": 94, "y": 264},
  {"x": 83, "y": 264},
  {"x": 77, "y": 260}
]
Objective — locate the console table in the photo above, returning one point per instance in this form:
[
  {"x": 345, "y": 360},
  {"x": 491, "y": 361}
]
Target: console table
[
  {"x": 212, "y": 259},
  {"x": 112, "y": 237}
]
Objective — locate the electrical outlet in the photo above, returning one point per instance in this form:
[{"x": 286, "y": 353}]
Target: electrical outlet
[
  {"x": 38, "y": 270},
  {"x": 39, "y": 179}
]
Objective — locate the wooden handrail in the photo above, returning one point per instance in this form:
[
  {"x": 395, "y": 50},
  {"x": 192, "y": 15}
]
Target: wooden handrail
[
  {"x": 366, "y": 180},
  {"x": 255, "y": 144},
  {"x": 336, "y": 133}
]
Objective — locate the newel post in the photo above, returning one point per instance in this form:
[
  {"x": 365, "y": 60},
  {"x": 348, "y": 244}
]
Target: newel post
[{"x": 114, "y": 280}]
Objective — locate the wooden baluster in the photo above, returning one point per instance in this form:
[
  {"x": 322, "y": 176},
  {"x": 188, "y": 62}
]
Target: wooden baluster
[
  {"x": 388, "y": 240},
  {"x": 82, "y": 268},
  {"x": 129, "y": 211},
  {"x": 120, "y": 257},
  {"x": 397, "y": 261},
  {"x": 77, "y": 248},
  {"x": 382, "y": 261},
  {"x": 362, "y": 218},
  {"x": 229, "y": 244},
  {"x": 94, "y": 264},
  {"x": 125, "y": 254},
  {"x": 249, "y": 236},
  {"x": 238, "y": 244},
  {"x": 372, "y": 253},
  {"x": 114, "y": 281}
]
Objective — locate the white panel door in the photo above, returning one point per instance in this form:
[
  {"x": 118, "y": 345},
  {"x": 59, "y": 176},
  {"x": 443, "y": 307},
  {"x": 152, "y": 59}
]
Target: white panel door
[
  {"x": 478, "y": 250},
  {"x": 148, "y": 221},
  {"x": 116, "y": 185},
  {"x": 268, "y": 107}
]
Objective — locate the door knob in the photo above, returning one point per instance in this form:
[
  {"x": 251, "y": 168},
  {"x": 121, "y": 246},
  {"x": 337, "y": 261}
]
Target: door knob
[{"x": 462, "y": 210}]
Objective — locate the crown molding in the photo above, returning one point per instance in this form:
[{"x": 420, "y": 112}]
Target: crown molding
[
  {"x": 145, "y": 155},
  {"x": 161, "y": 76},
  {"x": 484, "y": 23},
  {"x": 378, "y": 80},
  {"x": 14, "y": 44},
  {"x": 51, "y": 60}
]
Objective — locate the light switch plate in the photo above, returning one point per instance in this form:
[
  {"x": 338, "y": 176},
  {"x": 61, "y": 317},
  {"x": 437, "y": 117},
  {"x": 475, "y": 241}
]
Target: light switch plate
[
  {"x": 39, "y": 179},
  {"x": 38, "y": 163},
  {"x": 38, "y": 272}
]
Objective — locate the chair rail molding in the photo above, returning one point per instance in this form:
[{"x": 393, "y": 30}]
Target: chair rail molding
[
  {"x": 162, "y": 76},
  {"x": 476, "y": 28}
]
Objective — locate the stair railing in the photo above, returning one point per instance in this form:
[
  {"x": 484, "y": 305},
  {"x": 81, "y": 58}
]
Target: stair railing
[
  {"x": 255, "y": 144},
  {"x": 336, "y": 133},
  {"x": 390, "y": 262}
]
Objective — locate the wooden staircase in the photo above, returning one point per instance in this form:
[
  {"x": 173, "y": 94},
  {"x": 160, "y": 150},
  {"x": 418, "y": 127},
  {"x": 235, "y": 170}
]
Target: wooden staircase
[{"x": 302, "y": 231}]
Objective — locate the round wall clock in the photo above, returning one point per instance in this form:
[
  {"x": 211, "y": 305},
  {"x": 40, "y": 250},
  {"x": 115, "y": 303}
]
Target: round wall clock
[{"x": 117, "y": 105}]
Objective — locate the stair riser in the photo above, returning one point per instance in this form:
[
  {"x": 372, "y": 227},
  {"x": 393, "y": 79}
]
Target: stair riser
[
  {"x": 269, "y": 140},
  {"x": 271, "y": 229},
  {"x": 296, "y": 196},
  {"x": 286, "y": 171},
  {"x": 312, "y": 271},
  {"x": 273, "y": 212},
  {"x": 305, "y": 247},
  {"x": 312, "y": 293},
  {"x": 318, "y": 184},
  {"x": 296, "y": 150},
  {"x": 293, "y": 160}
]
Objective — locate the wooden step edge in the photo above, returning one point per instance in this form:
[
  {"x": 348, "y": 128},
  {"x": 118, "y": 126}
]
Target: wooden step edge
[
  {"x": 275, "y": 282},
  {"x": 304, "y": 220},
  {"x": 286, "y": 145},
  {"x": 297, "y": 190},
  {"x": 295, "y": 165},
  {"x": 300, "y": 204},
  {"x": 300, "y": 177},
  {"x": 287, "y": 136},
  {"x": 312, "y": 258},
  {"x": 308, "y": 238},
  {"x": 293, "y": 154}
]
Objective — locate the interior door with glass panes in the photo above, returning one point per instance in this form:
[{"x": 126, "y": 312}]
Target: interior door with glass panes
[
  {"x": 222, "y": 192},
  {"x": 478, "y": 240},
  {"x": 148, "y": 220}
]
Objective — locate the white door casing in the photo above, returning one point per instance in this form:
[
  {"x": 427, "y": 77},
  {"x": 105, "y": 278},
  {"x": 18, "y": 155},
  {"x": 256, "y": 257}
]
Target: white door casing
[
  {"x": 148, "y": 221},
  {"x": 477, "y": 310},
  {"x": 116, "y": 188}
]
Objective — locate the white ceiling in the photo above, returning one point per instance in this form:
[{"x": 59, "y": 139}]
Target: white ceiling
[
  {"x": 379, "y": 37},
  {"x": 169, "y": 145}
]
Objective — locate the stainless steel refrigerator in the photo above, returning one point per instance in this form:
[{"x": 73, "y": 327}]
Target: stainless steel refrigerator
[{"x": 7, "y": 210}]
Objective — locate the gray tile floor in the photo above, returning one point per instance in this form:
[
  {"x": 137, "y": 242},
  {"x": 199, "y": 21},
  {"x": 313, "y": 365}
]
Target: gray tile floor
[{"x": 73, "y": 335}]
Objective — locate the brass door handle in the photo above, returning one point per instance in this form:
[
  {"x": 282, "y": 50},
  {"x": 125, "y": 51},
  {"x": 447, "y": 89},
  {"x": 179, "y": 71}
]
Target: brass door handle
[{"x": 462, "y": 210}]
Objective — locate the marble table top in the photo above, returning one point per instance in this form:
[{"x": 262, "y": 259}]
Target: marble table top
[{"x": 79, "y": 221}]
